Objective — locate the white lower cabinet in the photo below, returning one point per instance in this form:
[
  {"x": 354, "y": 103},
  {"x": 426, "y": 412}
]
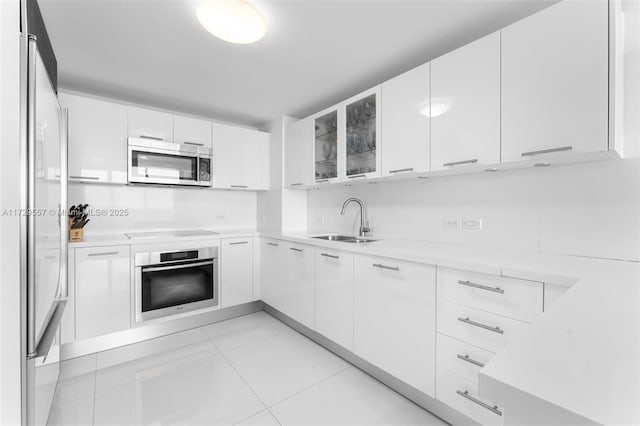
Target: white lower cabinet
[
  {"x": 288, "y": 279},
  {"x": 395, "y": 318},
  {"x": 236, "y": 271},
  {"x": 334, "y": 296},
  {"x": 102, "y": 290}
]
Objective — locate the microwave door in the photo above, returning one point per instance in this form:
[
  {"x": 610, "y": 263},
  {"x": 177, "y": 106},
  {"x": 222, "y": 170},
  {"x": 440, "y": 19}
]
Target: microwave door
[{"x": 155, "y": 166}]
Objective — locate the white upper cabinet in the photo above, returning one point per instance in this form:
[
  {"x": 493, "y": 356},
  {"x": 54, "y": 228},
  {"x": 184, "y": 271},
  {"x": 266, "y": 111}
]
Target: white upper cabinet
[
  {"x": 361, "y": 135},
  {"x": 191, "y": 131},
  {"x": 405, "y": 122},
  {"x": 328, "y": 145},
  {"x": 150, "y": 124},
  {"x": 297, "y": 156},
  {"x": 465, "y": 105},
  {"x": 97, "y": 139},
  {"x": 240, "y": 157},
  {"x": 555, "y": 81}
]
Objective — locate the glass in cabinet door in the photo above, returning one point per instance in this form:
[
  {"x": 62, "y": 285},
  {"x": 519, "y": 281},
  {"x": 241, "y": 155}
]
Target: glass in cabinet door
[
  {"x": 326, "y": 146},
  {"x": 361, "y": 136}
]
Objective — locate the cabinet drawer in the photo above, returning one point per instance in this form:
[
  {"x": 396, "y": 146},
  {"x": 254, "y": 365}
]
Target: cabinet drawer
[
  {"x": 448, "y": 386},
  {"x": 463, "y": 359},
  {"x": 479, "y": 328},
  {"x": 511, "y": 297}
]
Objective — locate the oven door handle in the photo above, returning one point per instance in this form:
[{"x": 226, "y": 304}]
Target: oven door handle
[{"x": 183, "y": 266}]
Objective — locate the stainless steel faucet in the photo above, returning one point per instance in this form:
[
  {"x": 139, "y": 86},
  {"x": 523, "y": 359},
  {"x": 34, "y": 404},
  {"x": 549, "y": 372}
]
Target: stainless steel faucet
[{"x": 363, "y": 229}]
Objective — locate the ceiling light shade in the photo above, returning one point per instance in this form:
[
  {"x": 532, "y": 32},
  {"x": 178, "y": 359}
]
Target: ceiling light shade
[{"x": 235, "y": 21}]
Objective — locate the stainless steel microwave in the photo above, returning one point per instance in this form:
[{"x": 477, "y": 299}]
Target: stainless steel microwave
[{"x": 166, "y": 163}]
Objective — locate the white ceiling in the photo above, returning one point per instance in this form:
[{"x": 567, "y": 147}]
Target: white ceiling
[{"x": 315, "y": 53}]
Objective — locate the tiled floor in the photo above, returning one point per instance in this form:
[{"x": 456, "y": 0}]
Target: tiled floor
[{"x": 252, "y": 370}]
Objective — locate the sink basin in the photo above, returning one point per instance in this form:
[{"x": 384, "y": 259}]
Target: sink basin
[{"x": 344, "y": 238}]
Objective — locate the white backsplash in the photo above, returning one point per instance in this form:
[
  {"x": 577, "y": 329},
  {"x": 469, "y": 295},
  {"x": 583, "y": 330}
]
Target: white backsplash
[
  {"x": 590, "y": 209},
  {"x": 159, "y": 208}
]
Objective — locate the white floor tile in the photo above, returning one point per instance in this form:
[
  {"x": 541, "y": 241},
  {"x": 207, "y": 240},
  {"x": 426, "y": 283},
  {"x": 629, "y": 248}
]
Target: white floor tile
[
  {"x": 231, "y": 334},
  {"x": 351, "y": 398},
  {"x": 201, "y": 390},
  {"x": 263, "y": 418},
  {"x": 76, "y": 387},
  {"x": 72, "y": 413},
  {"x": 283, "y": 365}
]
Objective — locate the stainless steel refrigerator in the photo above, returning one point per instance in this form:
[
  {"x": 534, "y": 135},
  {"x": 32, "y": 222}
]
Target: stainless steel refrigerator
[{"x": 43, "y": 228}]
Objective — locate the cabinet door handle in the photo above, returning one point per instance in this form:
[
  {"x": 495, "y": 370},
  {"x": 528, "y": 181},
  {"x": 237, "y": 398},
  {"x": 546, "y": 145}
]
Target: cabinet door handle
[
  {"x": 493, "y": 409},
  {"x": 106, "y": 253},
  {"x": 457, "y": 163},
  {"x": 480, "y": 286},
  {"x": 495, "y": 329},
  {"x": 168, "y": 268},
  {"x": 546, "y": 151},
  {"x": 470, "y": 360},
  {"x": 356, "y": 176},
  {"x": 295, "y": 249},
  {"x": 193, "y": 143},
  {"x": 322, "y": 180},
  {"x": 239, "y": 186},
  {"x": 238, "y": 242},
  {"x": 273, "y": 244},
  {"x": 296, "y": 184},
  {"x": 155, "y": 138},
  {"x": 85, "y": 177},
  {"x": 381, "y": 266},
  {"x": 410, "y": 169},
  {"x": 330, "y": 255}
]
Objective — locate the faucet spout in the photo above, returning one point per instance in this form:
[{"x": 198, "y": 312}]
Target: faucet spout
[{"x": 363, "y": 229}]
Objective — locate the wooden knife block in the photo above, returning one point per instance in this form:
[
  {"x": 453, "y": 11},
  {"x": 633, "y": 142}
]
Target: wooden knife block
[{"x": 75, "y": 234}]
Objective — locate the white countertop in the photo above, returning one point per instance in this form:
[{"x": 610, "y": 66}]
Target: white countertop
[
  {"x": 120, "y": 238},
  {"x": 583, "y": 354}
]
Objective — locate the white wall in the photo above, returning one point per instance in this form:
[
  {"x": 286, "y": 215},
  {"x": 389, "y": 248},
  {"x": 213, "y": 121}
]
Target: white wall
[
  {"x": 590, "y": 209},
  {"x": 157, "y": 208},
  {"x": 10, "y": 351}
]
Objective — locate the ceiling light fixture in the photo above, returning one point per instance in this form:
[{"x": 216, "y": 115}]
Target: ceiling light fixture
[{"x": 235, "y": 21}]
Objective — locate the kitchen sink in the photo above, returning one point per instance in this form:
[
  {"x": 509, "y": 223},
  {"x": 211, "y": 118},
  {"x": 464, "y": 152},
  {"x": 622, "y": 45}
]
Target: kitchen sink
[{"x": 344, "y": 238}]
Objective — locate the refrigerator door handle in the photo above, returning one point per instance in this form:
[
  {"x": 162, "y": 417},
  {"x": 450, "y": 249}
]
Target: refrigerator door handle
[
  {"x": 30, "y": 198},
  {"x": 63, "y": 285}
]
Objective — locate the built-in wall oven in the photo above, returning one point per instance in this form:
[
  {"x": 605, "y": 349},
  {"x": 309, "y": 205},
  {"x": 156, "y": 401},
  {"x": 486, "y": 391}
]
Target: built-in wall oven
[
  {"x": 172, "y": 282},
  {"x": 167, "y": 163}
]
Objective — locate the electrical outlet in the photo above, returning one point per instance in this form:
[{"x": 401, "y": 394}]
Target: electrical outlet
[
  {"x": 471, "y": 223},
  {"x": 322, "y": 219},
  {"x": 451, "y": 223},
  {"x": 220, "y": 217}
]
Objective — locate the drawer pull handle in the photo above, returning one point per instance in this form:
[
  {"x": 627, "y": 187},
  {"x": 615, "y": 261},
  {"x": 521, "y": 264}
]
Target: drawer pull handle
[
  {"x": 84, "y": 177},
  {"x": 481, "y": 325},
  {"x": 381, "y": 266},
  {"x": 480, "y": 286},
  {"x": 322, "y": 180},
  {"x": 356, "y": 176},
  {"x": 273, "y": 244},
  {"x": 153, "y": 138},
  {"x": 470, "y": 360},
  {"x": 238, "y": 242},
  {"x": 296, "y": 184},
  {"x": 493, "y": 409},
  {"x": 409, "y": 169},
  {"x": 295, "y": 249},
  {"x": 458, "y": 163},
  {"x": 239, "y": 186},
  {"x": 107, "y": 253},
  {"x": 330, "y": 255},
  {"x": 193, "y": 143},
  {"x": 547, "y": 151}
]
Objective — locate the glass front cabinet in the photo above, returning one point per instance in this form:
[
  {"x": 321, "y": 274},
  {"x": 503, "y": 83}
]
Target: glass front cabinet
[{"x": 346, "y": 144}]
